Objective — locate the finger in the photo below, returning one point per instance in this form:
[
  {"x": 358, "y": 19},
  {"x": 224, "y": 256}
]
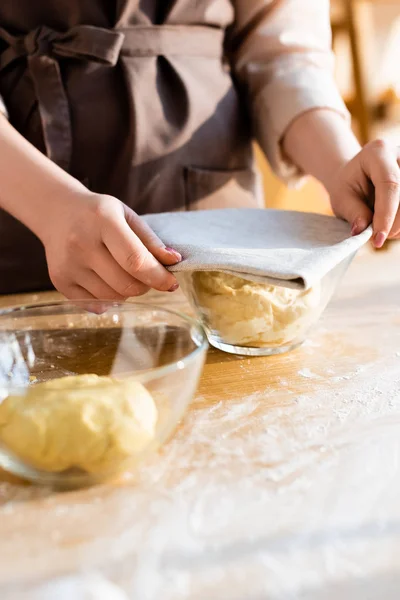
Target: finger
[
  {"x": 353, "y": 210},
  {"x": 135, "y": 258},
  {"x": 395, "y": 231},
  {"x": 165, "y": 255},
  {"x": 382, "y": 168},
  {"x": 77, "y": 292},
  {"x": 86, "y": 300},
  {"x": 71, "y": 291},
  {"x": 116, "y": 277},
  {"x": 97, "y": 287}
]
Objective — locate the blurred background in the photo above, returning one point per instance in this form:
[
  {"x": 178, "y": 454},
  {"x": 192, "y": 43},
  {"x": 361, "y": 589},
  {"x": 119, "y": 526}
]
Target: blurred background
[{"x": 366, "y": 42}]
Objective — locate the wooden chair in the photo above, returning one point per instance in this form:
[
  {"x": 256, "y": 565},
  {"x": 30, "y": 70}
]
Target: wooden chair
[{"x": 346, "y": 23}]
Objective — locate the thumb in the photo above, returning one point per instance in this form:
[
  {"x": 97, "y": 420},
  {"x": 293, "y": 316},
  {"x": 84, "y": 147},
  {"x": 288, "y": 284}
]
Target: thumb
[
  {"x": 166, "y": 256},
  {"x": 353, "y": 210}
]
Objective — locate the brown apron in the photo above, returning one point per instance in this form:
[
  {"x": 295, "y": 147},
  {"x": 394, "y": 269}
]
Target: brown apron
[{"x": 141, "y": 109}]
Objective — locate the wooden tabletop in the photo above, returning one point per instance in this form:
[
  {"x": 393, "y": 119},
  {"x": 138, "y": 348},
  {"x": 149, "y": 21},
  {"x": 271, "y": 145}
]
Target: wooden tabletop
[{"x": 282, "y": 482}]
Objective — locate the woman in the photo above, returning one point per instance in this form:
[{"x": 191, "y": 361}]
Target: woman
[{"x": 116, "y": 109}]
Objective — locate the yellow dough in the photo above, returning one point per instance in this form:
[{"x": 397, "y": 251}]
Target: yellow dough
[
  {"x": 83, "y": 421},
  {"x": 247, "y": 313}
]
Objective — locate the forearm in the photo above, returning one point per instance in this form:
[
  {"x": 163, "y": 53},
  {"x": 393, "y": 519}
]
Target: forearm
[
  {"x": 319, "y": 142},
  {"x": 31, "y": 184}
]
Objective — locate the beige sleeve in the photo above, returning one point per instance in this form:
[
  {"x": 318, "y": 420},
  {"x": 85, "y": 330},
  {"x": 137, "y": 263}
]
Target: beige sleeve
[{"x": 281, "y": 55}]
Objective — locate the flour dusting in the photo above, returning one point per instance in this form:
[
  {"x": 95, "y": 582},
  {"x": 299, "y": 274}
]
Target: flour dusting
[{"x": 288, "y": 492}]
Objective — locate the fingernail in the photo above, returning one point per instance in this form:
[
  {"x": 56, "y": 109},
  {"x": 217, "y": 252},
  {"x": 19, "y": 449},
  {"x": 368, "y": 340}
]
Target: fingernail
[
  {"x": 174, "y": 253},
  {"x": 174, "y": 287},
  {"x": 379, "y": 239},
  {"x": 359, "y": 226}
]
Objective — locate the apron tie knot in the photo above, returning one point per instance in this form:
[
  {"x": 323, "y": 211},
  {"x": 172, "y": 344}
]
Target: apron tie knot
[{"x": 43, "y": 48}]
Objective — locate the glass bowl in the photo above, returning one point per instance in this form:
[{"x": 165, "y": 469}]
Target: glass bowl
[
  {"x": 253, "y": 319},
  {"x": 143, "y": 349}
]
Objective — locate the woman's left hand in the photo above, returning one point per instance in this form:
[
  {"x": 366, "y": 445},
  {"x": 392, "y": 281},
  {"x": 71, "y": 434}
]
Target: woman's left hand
[{"x": 371, "y": 180}]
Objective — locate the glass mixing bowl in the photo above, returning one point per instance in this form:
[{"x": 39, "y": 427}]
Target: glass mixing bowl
[
  {"x": 161, "y": 350},
  {"x": 247, "y": 318}
]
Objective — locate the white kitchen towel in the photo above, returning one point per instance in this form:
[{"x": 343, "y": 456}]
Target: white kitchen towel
[{"x": 286, "y": 248}]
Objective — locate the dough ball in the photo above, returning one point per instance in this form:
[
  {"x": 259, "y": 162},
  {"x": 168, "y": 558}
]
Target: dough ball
[
  {"x": 247, "y": 313},
  {"x": 85, "y": 421}
]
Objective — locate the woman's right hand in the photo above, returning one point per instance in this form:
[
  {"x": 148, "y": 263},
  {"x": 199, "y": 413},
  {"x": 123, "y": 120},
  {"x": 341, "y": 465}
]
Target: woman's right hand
[{"x": 98, "y": 248}]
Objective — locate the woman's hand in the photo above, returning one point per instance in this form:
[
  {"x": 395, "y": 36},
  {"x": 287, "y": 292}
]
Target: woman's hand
[
  {"x": 367, "y": 189},
  {"x": 96, "y": 247},
  {"x": 364, "y": 184}
]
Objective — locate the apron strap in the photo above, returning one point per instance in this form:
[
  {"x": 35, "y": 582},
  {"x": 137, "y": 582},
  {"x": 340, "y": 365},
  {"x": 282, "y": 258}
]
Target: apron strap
[
  {"x": 43, "y": 47},
  {"x": 173, "y": 40}
]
